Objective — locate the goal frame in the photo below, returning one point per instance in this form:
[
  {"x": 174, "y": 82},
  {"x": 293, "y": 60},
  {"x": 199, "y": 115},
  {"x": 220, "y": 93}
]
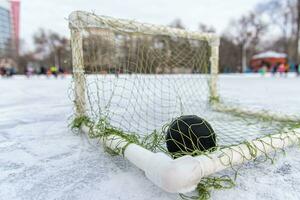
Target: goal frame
[
  {"x": 183, "y": 174},
  {"x": 78, "y": 18}
]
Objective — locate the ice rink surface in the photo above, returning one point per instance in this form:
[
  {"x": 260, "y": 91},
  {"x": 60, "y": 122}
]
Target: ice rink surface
[{"x": 40, "y": 158}]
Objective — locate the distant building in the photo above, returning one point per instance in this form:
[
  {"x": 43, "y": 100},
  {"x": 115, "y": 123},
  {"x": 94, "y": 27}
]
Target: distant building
[
  {"x": 268, "y": 59},
  {"x": 9, "y": 28}
]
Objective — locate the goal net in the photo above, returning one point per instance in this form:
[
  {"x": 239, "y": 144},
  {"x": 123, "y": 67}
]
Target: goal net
[{"x": 132, "y": 80}]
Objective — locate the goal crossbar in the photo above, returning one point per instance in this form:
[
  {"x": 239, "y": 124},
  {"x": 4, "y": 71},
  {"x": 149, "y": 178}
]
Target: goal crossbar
[{"x": 84, "y": 20}]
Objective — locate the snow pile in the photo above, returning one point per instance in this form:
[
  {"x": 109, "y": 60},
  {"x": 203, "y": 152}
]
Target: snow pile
[{"x": 269, "y": 54}]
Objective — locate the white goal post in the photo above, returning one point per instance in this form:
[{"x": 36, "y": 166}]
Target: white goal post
[{"x": 183, "y": 174}]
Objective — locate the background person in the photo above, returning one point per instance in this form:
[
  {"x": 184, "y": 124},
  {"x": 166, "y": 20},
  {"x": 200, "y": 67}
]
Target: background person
[
  {"x": 286, "y": 69},
  {"x": 54, "y": 71},
  {"x": 281, "y": 69},
  {"x": 297, "y": 68}
]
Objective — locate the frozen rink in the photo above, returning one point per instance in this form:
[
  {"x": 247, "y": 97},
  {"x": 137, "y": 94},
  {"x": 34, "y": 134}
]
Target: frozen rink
[{"x": 40, "y": 158}]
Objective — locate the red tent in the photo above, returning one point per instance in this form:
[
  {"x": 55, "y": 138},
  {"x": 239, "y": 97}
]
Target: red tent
[{"x": 269, "y": 58}]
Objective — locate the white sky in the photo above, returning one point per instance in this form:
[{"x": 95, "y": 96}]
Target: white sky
[{"x": 52, "y": 14}]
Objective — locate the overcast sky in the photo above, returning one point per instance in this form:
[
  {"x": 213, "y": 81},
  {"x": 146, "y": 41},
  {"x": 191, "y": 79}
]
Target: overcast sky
[{"x": 52, "y": 14}]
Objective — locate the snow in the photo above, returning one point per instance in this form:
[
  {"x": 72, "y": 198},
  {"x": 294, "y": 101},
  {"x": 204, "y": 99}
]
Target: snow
[
  {"x": 270, "y": 54},
  {"x": 40, "y": 158}
]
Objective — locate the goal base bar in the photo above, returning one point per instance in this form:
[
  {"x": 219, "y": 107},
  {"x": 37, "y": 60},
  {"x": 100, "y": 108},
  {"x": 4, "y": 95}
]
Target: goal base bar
[{"x": 182, "y": 175}]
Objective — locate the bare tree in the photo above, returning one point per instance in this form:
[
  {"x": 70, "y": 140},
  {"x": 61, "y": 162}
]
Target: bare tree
[
  {"x": 283, "y": 17},
  {"x": 52, "y": 48},
  {"x": 246, "y": 33},
  {"x": 206, "y": 29},
  {"x": 177, "y": 23},
  {"x": 230, "y": 55}
]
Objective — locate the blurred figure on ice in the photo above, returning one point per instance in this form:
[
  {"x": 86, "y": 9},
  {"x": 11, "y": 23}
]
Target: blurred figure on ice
[
  {"x": 286, "y": 69},
  {"x": 2, "y": 71},
  {"x": 9, "y": 71},
  {"x": 7, "y": 67},
  {"x": 263, "y": 70},
  {"x": 48, "y": 73},
  {"x": 54, "y": 71},
  {"x": 2, "y": 68},
  {"x": 297, "y": 68},
  {"x": 275, "y": 68},
  {"x": 117, "y": 72},
  {"x": 43, "y": 70},
  {"x": 281, "y": 69},
  {"x": 61, "y": 72},
  {"x": 29, "y": 71}
]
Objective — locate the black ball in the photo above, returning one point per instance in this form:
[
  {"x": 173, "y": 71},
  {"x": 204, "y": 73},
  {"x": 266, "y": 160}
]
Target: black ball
[{"x": 189, "y": 133}]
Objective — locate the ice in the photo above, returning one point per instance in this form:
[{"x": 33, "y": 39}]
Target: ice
[{"x": 40, "y": 158}]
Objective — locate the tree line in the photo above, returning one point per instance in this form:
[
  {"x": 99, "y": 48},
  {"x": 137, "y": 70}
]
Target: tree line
[{"x": 272, "y": 25}]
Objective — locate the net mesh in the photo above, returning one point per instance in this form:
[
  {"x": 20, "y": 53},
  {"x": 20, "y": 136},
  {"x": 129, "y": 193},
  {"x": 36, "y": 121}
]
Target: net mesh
[{"x": 135, "y": 79}]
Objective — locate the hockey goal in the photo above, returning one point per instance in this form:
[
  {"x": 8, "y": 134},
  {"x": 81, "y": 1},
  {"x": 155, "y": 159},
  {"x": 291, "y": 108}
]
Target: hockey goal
[{"x": 131, "y": 80}]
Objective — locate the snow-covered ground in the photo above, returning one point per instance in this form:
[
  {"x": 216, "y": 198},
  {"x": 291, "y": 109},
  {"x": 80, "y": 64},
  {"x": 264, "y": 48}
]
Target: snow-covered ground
[{"x": 40, "y": 158}]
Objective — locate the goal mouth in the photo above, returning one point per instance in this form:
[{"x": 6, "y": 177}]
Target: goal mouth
[{"x": 131, "y": 80}]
